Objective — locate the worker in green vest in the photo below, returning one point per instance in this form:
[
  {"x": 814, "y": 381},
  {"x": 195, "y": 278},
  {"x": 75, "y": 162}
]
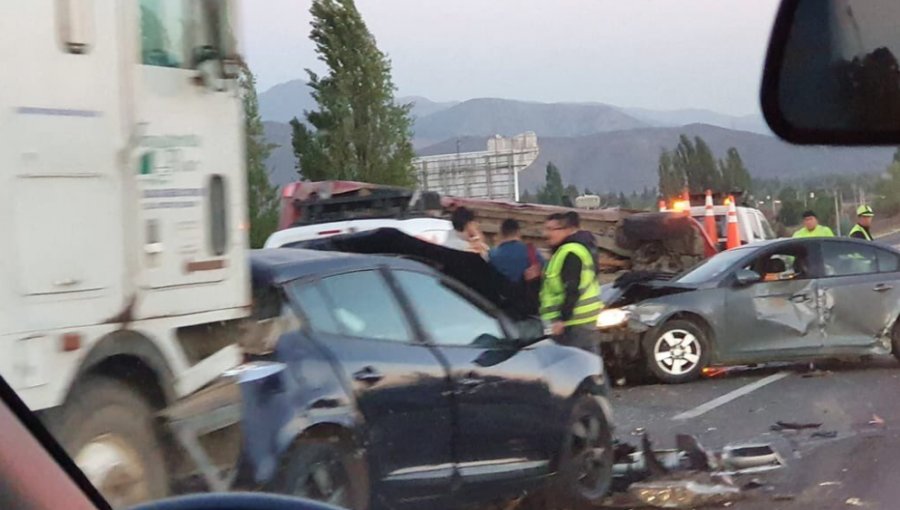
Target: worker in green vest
[
  {"x": 570, "y": 294},
  {"x": 864, "y": 217},
  {"x": 811, "y": 227}
]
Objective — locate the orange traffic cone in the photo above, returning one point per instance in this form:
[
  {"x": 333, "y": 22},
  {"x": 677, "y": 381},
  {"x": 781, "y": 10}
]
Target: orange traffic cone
[
  {"x": 710, "y": 219},
  {"x": 662, "y": 206},
  {"x": 734, "y": 235}
]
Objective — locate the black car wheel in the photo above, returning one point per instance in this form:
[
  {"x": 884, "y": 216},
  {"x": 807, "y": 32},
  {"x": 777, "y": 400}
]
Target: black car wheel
[
  {"x": 586, "y": 463},
  {"x": 677, "y": 352},
  {"x": 321, "y": 471}
]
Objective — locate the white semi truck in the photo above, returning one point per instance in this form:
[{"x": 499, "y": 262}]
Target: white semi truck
[{"x": 122, "y": 222}]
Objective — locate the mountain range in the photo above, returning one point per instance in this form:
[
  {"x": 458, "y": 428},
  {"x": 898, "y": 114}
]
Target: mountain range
[{"x": 595, "y": 145}]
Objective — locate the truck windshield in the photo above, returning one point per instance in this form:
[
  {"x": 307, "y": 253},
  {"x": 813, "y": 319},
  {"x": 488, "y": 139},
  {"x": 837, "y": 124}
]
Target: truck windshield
[{"x": 182, "y": 33}]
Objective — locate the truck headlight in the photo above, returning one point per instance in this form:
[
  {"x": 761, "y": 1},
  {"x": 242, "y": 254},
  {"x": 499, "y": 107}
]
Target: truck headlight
[{"x": 612, "y": 317}]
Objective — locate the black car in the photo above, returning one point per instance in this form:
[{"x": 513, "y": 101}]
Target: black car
[
  {"x": 783, "y": 300},
  {"x": 401, "y": 387}
]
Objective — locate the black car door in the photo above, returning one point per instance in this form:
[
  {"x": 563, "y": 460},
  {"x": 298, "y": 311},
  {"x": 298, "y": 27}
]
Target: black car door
[
  {"x": 502, "y": 398},
  {"x": 401, "y": 387}
]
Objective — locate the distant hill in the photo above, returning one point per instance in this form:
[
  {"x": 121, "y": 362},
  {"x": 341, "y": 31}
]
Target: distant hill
[
  {"x": 627, "y": 160},
  {"x": 505, "y": 117},
  {"x": 668, "y": 118},
  {"x": 282, "y": 164},
  {"x": 285, "y": 101}
]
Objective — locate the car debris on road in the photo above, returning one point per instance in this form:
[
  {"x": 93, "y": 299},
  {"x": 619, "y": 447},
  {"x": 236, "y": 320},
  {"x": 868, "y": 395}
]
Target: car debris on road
[{"x": 688, "y": 476}]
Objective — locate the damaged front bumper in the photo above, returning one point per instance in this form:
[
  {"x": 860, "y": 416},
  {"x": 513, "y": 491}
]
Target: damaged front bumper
[{"x": 621, "y": 344}]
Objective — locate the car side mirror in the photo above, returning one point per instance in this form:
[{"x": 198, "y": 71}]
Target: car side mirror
[
  {"x": 745, "y": 277},
  {"x": 530, "y": 330},
  {"x": 832, "y": 75}
]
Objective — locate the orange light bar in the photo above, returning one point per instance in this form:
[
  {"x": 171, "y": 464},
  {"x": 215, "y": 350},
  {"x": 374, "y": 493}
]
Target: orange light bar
[{"x": 681, "y": 205}]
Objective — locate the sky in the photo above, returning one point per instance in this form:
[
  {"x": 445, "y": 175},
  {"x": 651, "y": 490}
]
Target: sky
[{"x": 659, "y": 54}]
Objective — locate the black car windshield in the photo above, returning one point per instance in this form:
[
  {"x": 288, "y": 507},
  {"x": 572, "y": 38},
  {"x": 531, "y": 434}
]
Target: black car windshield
[{"x": 713, "y": 267}]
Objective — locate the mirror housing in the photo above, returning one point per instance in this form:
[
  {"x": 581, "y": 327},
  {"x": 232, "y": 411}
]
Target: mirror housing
[
  {"x": 832, "y": 75},
  {"x": 745, "y": 277},
  {"x": 530, "y": 330}
]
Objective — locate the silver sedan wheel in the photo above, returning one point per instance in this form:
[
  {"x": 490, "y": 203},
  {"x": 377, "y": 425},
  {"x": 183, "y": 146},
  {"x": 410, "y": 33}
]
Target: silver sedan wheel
[{"x": 677, "y": 352}]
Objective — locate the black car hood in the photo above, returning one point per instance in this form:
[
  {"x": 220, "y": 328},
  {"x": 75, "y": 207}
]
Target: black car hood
[
  {"x": 635, "y": 287},
  {"x": 468, "y": 268}
]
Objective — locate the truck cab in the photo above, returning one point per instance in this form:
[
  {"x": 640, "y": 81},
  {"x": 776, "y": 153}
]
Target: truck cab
[{"x": 122, "y": 193}]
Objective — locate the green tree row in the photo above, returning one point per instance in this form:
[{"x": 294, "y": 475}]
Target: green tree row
[{"x": 691, "y": 165}]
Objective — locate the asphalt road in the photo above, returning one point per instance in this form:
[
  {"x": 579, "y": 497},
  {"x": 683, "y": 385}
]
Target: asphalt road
[{"x": 850, "y": 399}]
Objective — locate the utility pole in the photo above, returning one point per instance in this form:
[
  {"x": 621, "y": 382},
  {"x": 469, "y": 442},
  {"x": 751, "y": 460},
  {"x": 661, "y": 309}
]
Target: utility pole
[{"x": 837, "y": 213}]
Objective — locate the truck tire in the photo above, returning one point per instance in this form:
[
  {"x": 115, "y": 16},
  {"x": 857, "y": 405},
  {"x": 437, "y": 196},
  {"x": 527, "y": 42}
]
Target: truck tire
[
  {"x": 325, "y": 472},
  {"x": 107, "y": 428},
  {"x": 585, "y": 469},
  {"x": 676, "y": 352}
]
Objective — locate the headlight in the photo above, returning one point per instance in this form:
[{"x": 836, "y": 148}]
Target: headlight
[{"x": 612, "y": 317}]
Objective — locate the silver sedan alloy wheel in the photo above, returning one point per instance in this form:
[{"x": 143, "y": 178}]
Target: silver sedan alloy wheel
[{"x": 677, "y": 352}]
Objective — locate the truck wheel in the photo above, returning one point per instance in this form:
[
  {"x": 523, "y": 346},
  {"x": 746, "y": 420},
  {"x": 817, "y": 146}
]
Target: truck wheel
[
  {"x": 107, "y": 428},
  {"x": 586, "y": 462},
  {"x": 324, "y": 472},
  {"x": 677, "y": 352}
]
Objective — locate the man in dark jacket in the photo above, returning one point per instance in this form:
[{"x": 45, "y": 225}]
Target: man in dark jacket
[
  {"x": 521, "y": 264},
  {"x": 570, "y": 293}
]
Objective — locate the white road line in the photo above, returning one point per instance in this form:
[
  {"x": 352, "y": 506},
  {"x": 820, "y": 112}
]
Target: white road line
[{"x": 728, "y": 397}]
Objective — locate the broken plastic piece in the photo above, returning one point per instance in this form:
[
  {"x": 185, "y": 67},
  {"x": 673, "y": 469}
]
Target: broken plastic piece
[
  {"x": 753, "y": 484},
  {"x": 854, "y": 502},
  {"x": 786, "y": 425},
  {"x": 824, "y": 434},
  {"x": 877, "y": 421},
  {"x": 697, "y": 456},
  {"x": 654, "y": 465},
  {"x": 754, "y": 458}
]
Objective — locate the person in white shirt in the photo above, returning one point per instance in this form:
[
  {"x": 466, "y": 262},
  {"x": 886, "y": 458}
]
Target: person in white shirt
[{"x": 466, "y": 235}]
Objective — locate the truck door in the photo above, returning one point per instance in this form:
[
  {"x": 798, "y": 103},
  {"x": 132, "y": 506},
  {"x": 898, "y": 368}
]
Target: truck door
[
  {"x": 189, "y": 188},
  {"x": 59, "y": 181}
]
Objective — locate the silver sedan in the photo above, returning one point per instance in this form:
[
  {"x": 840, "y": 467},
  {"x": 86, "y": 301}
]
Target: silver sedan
[{"x": 782, "y": 300}]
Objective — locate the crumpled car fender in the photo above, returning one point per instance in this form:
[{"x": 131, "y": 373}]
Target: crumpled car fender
[{"x": 279, "y": 409}]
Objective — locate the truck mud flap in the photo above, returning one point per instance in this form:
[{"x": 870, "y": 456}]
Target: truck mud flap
[{"x": 209, "y": 410}]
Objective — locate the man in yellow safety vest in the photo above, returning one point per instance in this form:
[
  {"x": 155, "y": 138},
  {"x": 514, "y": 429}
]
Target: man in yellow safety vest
[
  {"x": 811, "y": 227},
  {"x": 864, "y": 217},
  {"x": 570, "y": 294}
]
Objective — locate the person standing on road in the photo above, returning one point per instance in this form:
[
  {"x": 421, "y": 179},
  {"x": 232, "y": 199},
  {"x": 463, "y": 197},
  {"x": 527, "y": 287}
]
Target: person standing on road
[
  {"x": 864, "y": 217},
  {"x": 811, "y": 227},
  {"x": 570, "y": 293},
  {"x": 466, "y": 235},
  {"x": 583, "y": 236},
  {"x": 521, "y": 264}
]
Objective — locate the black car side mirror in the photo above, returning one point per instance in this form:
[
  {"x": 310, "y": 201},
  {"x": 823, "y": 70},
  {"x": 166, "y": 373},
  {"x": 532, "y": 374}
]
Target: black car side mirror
[
  {"x": 530, "y": 330},
  {"x": 745, "y": 277}
]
